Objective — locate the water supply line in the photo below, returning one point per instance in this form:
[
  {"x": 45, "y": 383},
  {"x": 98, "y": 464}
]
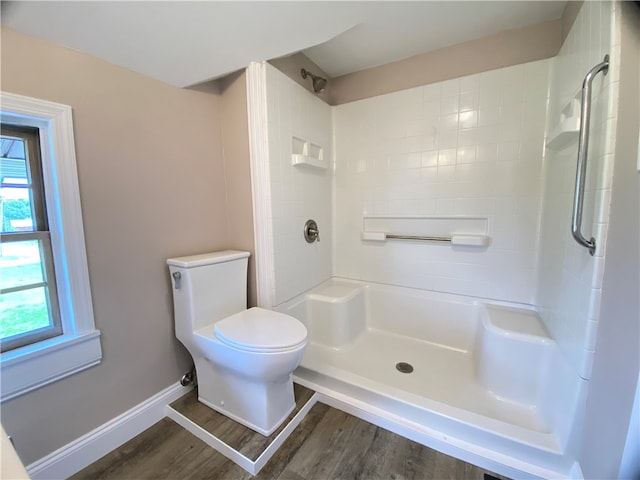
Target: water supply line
[{"x": 189, "y": 377}]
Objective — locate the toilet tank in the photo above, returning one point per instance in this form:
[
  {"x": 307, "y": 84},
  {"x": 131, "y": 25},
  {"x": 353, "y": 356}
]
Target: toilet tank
[{"x": 208, "y": 287}]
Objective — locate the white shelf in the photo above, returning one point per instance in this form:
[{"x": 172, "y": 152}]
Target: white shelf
[
  {"x": 297, "y": 159},
  {"x": 568, "y": 129},
  {"x": 304, "y": 152},
  {"x": 565, "y": 134}
]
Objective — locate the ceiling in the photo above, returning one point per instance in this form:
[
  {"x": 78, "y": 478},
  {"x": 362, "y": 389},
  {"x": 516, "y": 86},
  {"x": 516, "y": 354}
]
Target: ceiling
[{"x": 184, "y": 43}]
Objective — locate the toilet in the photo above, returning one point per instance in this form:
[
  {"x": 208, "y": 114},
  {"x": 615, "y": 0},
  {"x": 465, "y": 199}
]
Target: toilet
[{"x": 243, "y": 358}]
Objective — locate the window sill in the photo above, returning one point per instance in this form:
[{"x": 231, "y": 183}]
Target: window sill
[{"x": 28, "y": 368}]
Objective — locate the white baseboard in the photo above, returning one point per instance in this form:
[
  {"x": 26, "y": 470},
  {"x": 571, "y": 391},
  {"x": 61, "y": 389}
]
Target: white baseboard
[{"x": 85, "y": 450}]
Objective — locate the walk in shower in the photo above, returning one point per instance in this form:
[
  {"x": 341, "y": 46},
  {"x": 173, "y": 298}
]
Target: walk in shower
[{"x": 445, "y": 295}]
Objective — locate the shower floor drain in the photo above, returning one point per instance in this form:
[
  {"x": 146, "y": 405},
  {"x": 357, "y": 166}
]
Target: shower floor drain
[{"x": 404, "y": 367}]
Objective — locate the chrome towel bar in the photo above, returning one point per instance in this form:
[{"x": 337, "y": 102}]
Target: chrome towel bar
[
  {"x": 583, "y": 148},
  {"x": 456, "y": 239},
  {"x": 417, "y": 237}
]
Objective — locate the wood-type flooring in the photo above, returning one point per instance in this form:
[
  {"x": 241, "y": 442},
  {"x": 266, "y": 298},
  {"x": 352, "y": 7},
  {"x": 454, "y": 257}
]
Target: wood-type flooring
[
  {"x": 237, "y": 436},
  {"x": 328, "y": 444}
]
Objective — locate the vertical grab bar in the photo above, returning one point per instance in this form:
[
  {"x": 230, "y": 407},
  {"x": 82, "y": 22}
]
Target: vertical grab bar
[{"x": 583, "y": 147}]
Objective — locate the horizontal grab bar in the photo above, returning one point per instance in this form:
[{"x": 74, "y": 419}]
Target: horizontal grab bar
[
  {"x": 455, "y": 239},
  {"x": 415, "y": 237}
]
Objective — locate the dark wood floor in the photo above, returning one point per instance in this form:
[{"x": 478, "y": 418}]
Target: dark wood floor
[
  {"x": 328, "y": 444},
  {"x": 242, "y": 439}
]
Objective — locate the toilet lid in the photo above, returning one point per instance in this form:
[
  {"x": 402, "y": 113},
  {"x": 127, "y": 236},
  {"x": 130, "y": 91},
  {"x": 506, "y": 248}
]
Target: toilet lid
[{"x": 258, "y": 329}]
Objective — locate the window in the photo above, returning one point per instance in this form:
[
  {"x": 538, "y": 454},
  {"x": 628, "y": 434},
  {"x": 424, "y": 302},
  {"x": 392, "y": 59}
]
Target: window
[
  {"x": 29, "y": 309},
  {"x": 47, "y": 329}
]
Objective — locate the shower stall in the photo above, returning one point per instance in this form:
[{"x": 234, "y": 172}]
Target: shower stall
[{"x": 443, "y": 292}]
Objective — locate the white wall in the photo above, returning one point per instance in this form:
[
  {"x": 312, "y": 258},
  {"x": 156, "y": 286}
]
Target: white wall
[
  {"x": 298, "y": 193},
  {"x": 570, "y": 280},
  {"x": 470, "y": 146},
  {"x": 630, "y": 464},
  {"x": 609, "y": 420}
]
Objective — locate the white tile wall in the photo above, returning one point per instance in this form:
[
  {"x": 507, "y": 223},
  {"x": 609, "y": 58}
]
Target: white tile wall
[
  {"x": 298, "y": 192},
  {"x": 570, "y": 279},
  {"x": 470, "y": 146}
]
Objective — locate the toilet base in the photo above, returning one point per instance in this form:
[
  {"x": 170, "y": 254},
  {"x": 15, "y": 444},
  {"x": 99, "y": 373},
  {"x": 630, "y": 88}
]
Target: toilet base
[
  {"x": 262, "y": 407},
  {"x": 242, "y": 421}
]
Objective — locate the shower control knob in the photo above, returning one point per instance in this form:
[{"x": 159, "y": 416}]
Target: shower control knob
[{"x": 311, "y": 232}]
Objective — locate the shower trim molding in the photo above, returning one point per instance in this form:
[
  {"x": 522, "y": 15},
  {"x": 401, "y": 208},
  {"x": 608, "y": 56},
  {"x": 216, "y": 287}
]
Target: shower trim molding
[{"x": 261, "y": 183}]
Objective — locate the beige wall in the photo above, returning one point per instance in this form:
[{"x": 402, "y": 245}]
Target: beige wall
[
  {"x": 569, "y": 16},
  {"x": 237, "y": 166},
  {"x": 510, "y": 47},
  {"x": 152, "y": 186}
]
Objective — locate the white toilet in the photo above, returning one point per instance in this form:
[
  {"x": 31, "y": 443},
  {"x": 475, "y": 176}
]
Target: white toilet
[{"x": 243, "y": 358}]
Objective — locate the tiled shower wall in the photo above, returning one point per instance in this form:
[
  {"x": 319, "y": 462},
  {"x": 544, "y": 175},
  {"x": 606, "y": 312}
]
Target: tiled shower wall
[
  {"x": 570, "y": 280},
  {"x": 471, "y": 146},
  {"x": 300, "y": 192}
]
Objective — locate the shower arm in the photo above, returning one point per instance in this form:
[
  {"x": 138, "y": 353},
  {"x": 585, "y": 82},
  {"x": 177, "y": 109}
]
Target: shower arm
[{"x": 583, "y": 148}]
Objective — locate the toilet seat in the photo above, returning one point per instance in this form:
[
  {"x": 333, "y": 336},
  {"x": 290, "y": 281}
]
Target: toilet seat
[{"x": 261, "y": 330}]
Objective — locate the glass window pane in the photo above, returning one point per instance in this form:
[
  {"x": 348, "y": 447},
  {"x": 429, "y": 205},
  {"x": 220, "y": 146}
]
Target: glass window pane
[
  {"x": 20, "y": 264},
  {"x": 13, "y": 170},
  {"x": 15, "y": 210},
  {"x": 23, "y": 311},
  {"x": 15, "y": 201},
  {"x": 13, "y": 160}
]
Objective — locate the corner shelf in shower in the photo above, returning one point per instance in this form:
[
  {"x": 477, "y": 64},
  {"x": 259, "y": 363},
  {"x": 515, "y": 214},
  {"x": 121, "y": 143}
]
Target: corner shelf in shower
[
  {"x": 297, "y": 159},
  {"x": 564, "y": 134},
  {"x": 567, "y": 131},
  {"x": 307, "y": 153}
]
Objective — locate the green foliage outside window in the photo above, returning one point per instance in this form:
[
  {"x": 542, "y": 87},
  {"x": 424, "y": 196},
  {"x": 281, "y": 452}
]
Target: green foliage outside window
[{"x": 14, "y": 209}]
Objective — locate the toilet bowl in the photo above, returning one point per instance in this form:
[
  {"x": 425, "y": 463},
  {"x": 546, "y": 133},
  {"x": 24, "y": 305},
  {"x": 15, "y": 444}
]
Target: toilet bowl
[{"x": 243, "y": 358}]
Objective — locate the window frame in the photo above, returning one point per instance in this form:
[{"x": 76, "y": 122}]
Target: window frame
[
  {"x": 39, "y": 233},
  {"x": 30, "y": 367}
]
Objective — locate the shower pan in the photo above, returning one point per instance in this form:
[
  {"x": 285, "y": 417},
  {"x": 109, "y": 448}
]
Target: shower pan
[{"x": 483, "y": 372}]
